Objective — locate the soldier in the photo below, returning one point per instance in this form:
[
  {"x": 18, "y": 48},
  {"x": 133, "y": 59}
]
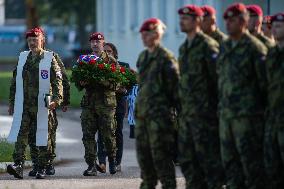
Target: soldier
[
  {"x": 36, "y": 76},
  {"x": 242, "y": 99},
  {"x": 254, "y": 24},
  {"x": 155, "y": 106},
  {"x": 121, "y": 93},
  {"x": 274, "y": 130},
  {"x": 209, "y": 26},
  {"x": 199, "y": 153},
  {"x": 98, "y": 110},
  {"x": 53, "y": 121},
  {"x": 266, "y": 27}
]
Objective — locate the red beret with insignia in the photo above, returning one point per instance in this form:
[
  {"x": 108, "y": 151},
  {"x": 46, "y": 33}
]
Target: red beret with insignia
[
  {"x": 235, "y": 10},
  {"x": 279, "y": 17},
  {"x": 266, "y": 19},
  {"x": 150, "y": 24},
  {"x": 96, "y": 36},
  {"x": 192, "y": 10},
  {"x": 208, "y": 10},
  {"x": 254, "y": 10},
  {"x": 34, "y": 32}
]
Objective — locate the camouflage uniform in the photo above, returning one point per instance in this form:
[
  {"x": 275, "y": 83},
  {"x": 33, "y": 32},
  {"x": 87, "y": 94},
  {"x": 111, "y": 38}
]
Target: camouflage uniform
[
  {"x": 274, "y": 130},
  {"x": 242, "y": 93},
  {"x": 98, "y": 110},
  {"x": 265, "y": 40},
  {"x": 65, "y": 102},
  {"x": 27, "y": 133},
  {"x": 219, "y": 36},
  {"x": 155, "y": 130},
  {"x": 199, "y": 153}
]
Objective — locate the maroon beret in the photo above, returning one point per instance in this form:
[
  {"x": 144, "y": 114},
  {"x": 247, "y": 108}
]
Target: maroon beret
[
  {"x": 34, "y": 32},
  {"x": 254, "y": 10},
  {"x": 96, "y": 36},
  {"x": 150, "y": 24},
  {"x": 192, "y": 10},
  {"x": 266, "y": 19},
  {"x": 208, "y": 10},
  {"x": 279, "y": 17},
  {"x": 235, "y": 10}
]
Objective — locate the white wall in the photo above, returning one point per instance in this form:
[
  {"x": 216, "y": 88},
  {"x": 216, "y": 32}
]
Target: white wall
[{"x": 2, "y": 12}]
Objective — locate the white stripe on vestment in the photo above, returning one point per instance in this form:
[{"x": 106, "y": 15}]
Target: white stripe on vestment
[
  {"x": 44, "y": 88},
  {"x": 19, "y": 98}
]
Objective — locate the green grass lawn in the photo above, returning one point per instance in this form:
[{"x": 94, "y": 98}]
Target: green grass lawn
[
  {"x": 6, "y": 151},
  {"x": 5, "y": 79}
]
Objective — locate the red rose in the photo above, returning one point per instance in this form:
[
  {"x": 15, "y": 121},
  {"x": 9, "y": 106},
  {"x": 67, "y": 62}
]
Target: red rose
[
  {"x": 122, "y": 69},
  {"x": 81, "y": 62},
  {"x": 92, "y": 61},
  {"x": 113, "y": 68},
  {"x": 101, "y": 66}
]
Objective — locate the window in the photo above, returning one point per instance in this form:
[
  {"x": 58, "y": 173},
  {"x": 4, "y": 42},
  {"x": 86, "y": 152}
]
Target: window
[
  {"x": 134, "y": 15},
  {"x": 121, "y": 16}
]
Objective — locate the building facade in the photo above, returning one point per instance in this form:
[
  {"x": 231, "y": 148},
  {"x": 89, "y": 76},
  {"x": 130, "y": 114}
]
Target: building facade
[{"x": 120, "y": 20}]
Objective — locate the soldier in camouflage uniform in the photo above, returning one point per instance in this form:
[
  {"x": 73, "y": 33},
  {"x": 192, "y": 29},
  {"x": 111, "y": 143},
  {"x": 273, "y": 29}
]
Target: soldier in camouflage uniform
[
  {"x": 266, "y": 28},
  {"x": 98, "y": 110},
  {"x": 274, "y": 130},
  {"x": 254, "y": 25},
  {"x": 242, "y": 99},
  {"x": 209, "y": 26},
  {"x": 27, "y": 133},
  {"x": 199, "y": 152},
  {"x": 155, "y": 107}
]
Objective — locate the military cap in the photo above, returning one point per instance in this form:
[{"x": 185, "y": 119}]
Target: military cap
[
  {"x": 96, "y": 36},
  {"x": 254, "y": 10},
  {"x": 208, "y": 10},
  {"x": 235, "y": 9},
  {"x": 192, "y": 10},
  {"x": 34, "y": 32},
  {"x": 279, "y": 17},
  {"x": 151, "y": 24}
]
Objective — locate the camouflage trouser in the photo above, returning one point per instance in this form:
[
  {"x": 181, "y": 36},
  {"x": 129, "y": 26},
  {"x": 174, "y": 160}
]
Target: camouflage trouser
[
  {"x": 241, "y": 150},
  {"x": 92, "y": 121},
  {"x": 50, "y": 154},
  {"x": 199, "y": 152},
  {"x": 27, "y": 135},
  {"x": 155, "y": 145},
  {"x": 274, "y": 152}
]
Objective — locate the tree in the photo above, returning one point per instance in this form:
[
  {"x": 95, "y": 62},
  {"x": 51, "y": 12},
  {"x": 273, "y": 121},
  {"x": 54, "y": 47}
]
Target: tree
[{"x": 82, "y": 11}]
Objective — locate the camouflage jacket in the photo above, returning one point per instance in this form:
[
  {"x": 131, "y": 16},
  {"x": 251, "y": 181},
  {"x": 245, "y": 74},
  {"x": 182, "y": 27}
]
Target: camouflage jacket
[
  {"x": 275, "y": 76},
  {"x": 158, "y": 77},
  {"x": 101, "y": 96},
  {"x": 265, "y": 40},
  {"x": 31, "y": 83},
  {"x": 198, "y": 78},
  {"x": 242, "y": 77},
  {"x": 65, "y": 81},
  {"x": 219, "y": 36}
]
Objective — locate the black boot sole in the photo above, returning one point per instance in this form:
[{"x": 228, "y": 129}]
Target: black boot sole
[
  {"x": 50, "y": 172},
  {"x": 89, "y": 175},
  {"x": 40, "y": 177},
  {"x": 13, "y": 172}
]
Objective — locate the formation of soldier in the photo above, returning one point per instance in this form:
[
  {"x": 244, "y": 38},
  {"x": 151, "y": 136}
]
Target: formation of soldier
[{"x": 218, "y": 107}]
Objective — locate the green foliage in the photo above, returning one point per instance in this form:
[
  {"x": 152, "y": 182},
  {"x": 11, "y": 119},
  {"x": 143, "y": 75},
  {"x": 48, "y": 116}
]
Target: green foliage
[{"x": 6, "y": 151}]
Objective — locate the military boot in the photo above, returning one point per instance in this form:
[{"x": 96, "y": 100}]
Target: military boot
[
  {"x": 91, "y": 171},
  {"x": 16, "y": 170},
  {"x": 112, "y": 166},
  {"x": 34, "y": 170},
  {"x": 41, "y": 173},
  {"x": 50, "y": 169}
]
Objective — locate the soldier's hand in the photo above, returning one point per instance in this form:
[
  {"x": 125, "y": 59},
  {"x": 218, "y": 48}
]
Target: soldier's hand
[
  {"x": 11, "y": 110},
  {"x": 64, "y": 108},
  {"x": 52, "y": 105}
]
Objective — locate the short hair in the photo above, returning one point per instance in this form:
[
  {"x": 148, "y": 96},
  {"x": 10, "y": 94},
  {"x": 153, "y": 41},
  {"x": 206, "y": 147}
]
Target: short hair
[{"x": 113, "y": 48}]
